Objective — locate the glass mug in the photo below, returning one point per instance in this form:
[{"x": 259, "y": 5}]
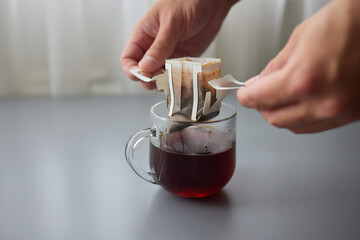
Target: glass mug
[{"x": 189, "y": 159}]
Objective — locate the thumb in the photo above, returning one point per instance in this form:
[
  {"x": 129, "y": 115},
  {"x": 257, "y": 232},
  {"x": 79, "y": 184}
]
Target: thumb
[{"x": 161, "y": 49}]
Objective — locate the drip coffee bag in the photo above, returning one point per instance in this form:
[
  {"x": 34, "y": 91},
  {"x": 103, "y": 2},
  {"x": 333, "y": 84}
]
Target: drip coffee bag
[{"x": 188, "y": 93}]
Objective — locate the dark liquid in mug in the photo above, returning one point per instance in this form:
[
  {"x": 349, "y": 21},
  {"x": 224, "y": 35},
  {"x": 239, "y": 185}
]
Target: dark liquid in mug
[{"x": 192, "y": 175}]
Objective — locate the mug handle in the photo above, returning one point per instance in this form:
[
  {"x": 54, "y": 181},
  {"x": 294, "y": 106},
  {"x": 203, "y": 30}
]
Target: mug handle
[{"x": 129, "y": 154}]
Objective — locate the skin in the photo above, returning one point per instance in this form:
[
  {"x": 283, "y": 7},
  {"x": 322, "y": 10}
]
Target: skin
[
  {"x": 170, "y": 29},
  {"x": 312, "y": 85}
]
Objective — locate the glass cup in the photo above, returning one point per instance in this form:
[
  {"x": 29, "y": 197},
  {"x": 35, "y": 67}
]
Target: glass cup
[{"x": 189, "y": 159}]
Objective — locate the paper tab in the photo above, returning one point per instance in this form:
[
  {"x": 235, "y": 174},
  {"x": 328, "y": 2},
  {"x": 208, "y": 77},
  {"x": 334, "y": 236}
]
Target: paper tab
[{"x": 227, "y": 82}]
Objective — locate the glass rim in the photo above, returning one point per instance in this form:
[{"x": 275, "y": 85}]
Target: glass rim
[{"x": 229, "y": 106}]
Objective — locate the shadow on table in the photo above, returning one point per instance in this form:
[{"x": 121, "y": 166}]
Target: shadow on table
[
  {"x": 220, "y": 199},
  {"x": 172, "y": 217}
]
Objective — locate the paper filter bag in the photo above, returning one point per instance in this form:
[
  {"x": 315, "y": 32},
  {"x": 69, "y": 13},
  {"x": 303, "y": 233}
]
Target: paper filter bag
[{"x": 188, "y": 94}]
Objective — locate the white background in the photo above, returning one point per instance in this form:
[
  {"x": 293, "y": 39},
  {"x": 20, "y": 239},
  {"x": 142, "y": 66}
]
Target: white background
[{"x": 72, "y": 47}]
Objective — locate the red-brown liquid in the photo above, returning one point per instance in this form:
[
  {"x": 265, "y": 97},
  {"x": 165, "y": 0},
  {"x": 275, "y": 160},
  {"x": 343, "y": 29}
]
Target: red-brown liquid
[{"x": 193, "y": 175}]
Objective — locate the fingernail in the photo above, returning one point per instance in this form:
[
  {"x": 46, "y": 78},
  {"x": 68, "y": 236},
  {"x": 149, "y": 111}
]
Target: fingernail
[
  {"x": 148, "y": 62},
  {"x": 251, "y": 80}
]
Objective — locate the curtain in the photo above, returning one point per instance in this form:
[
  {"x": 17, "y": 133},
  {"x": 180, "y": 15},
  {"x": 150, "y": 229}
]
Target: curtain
[
  {"x": 72, "y": 47},
  {"x": 256, "y": 30}
]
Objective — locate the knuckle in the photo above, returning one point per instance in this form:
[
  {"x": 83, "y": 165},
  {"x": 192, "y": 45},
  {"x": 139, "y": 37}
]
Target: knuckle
[
  {"x": 306, "y": 83},
  {"x": 158, "y": 50},
  {"x": 269, "y": 68},
  {"x": 247, "y": 100},
  {"x": 332, "y": 107},
  {"x": 168, "y": 17},
  {"x": 297, "y": 31}
]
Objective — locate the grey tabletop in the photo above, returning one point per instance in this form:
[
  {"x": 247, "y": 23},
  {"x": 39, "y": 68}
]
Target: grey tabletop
[{"x": 63, "y": 175}]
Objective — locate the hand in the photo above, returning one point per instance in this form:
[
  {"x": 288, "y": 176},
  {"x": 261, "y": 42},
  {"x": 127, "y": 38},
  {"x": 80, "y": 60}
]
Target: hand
[
  {"x": 172, "y": 28},
  {"x": 313, "y": 84}
]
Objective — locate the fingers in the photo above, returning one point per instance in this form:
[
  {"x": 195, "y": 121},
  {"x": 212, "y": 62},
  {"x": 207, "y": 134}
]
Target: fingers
[
  {"x": 325, "y": 124},
  {"x": 162, "y": 47},
  {"x": 147, "y": 85},
  {"x": 316, "y": 127},
  {"x": 148, "y": 53},
  {"x": 279, "y": 61},
  {"x": 291, "y": 116},
  {"x": 267, "y": 92},
  {"x": 273, "y": 88},
  {"x": 134, "y": 50},
  {"x": 307, "y": 111},
  {"x": 301, "y": 118},
  {"x": 283, "y": 56},
  {"x": 296, "y": 80},
  {"x": 312, "y": 115}
]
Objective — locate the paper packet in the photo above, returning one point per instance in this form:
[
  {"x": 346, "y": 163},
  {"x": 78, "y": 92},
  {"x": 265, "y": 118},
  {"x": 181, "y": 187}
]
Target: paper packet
[{"x": 188, "y": 94}]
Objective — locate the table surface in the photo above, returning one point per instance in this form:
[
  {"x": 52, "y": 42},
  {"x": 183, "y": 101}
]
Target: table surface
[{"x": 63, "y": 175}]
